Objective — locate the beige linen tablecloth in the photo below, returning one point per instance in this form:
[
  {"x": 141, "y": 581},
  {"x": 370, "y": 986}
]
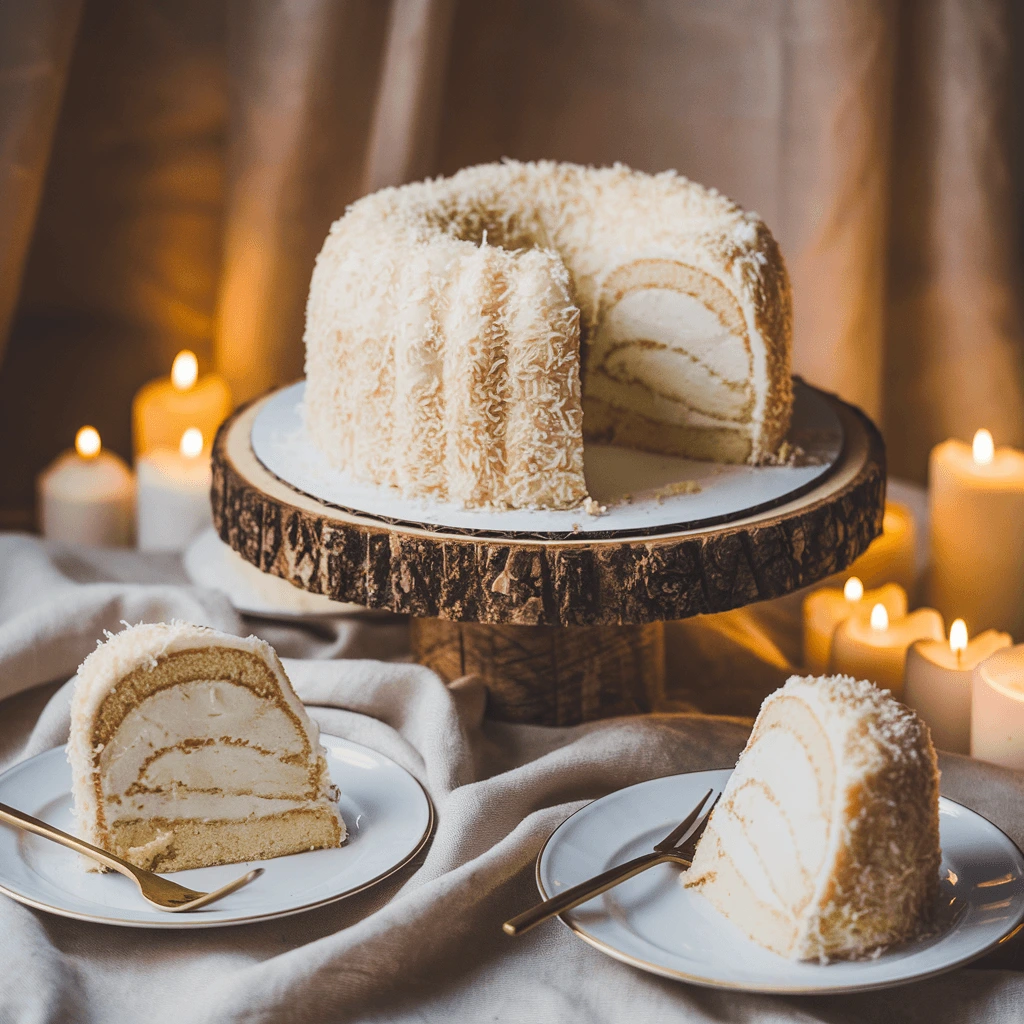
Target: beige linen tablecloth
[{"x": 426, "y": 945}]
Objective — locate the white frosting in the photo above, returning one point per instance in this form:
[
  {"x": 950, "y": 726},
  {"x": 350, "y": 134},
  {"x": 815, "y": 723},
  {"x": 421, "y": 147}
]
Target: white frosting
[
  {"x": 772, "y": 835},
  {"x": 750, "y": 861},
  {"x": 246, "y": 736},
  {"x": 680, "y": 322},
  {"x": 773, "y": 825},
  {"x": 781, "y": 764},
  {"x": 672, "y": 376},
  {"x": 654, "y": 406}
]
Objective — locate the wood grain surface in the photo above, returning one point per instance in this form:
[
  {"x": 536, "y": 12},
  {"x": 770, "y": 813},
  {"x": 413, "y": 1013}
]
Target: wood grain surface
[{"x": 550, "y": 675}]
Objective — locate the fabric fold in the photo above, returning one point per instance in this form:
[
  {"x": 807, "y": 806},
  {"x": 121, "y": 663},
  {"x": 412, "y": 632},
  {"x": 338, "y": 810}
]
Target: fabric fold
[{"x": 427, "y": 943}]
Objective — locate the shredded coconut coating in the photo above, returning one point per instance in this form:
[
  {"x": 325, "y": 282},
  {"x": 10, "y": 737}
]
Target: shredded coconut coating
[{"x": 444, "y": 323}]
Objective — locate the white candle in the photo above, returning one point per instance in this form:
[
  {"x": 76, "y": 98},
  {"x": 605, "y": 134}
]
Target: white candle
[
  {"x": 892, "y": 556},
  {"x": 164, "y": 409},
  {"x": 976, "y": 498},
  {"x": 997, "y": 709},
  {"x": 825, "y": 609},
  {"x": 875, "y": 648},
  {"x": 87, "y": 496},
  {"x": 938, "y": 682},
  {"x": 174, "y": 494}
]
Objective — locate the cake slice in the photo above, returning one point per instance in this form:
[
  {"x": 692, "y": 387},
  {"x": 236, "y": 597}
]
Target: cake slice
[
  {"x": 825, "y": 843},
  {"x": 189, "y": 748}
]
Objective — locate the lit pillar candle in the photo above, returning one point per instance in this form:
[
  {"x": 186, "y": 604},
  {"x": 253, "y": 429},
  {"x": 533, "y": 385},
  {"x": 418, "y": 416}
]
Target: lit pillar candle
[
  {"x": 164, "y": 409},
  {"x": 997, "y": 709},
  {"x": 976, "y": 498},
  {"x": 174, "y": 494},
  {"x": 892, "y": 556},
  {"x": 875, "y": 648},
  {"x": 825, "y": 609},
  {"x": 87, "y": 496},
  {"x": 938, "y": 683}
]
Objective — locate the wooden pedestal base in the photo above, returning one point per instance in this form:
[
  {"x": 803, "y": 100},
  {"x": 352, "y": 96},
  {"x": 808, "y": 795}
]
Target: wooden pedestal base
[
  {"x": 549, "y": 675},
  {"x": 562, "y": 630}
]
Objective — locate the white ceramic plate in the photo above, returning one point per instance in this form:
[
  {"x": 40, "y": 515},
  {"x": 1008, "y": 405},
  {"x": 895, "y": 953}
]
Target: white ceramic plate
[
  {"x": 652, "y": 922},
  {"x": 389, "y": 818},
  {"x": 725, "y": 492}
]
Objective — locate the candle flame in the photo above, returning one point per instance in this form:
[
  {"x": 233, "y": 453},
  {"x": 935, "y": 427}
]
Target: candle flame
[
  {"x": 983, "y": 448},
  {"x": 184, "y": 370},
  {"x": 191, "y": 442},
  {"x": 958, "y": 636},
  {"x": 879, "y": 618},
  {"x": 87, "y": 442},
  {"x": 854, "y": 589}
]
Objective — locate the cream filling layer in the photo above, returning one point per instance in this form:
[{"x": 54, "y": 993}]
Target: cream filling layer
[
  {"x": 207, "y": 748},
  {"x": 784, "y": 769},
  {"x": 638, "y": 398},
  {"x": 733, "y": 838},
  {"x": 772, "y": 827},
  {"x": 202, "y": 807},
  {"x": 664, "y": 353}
]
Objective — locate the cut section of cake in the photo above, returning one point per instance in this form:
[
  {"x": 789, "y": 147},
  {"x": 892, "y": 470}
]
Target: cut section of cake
[
  {"x": 825, "y": 843},
  {"x": 190, "y": 748}
]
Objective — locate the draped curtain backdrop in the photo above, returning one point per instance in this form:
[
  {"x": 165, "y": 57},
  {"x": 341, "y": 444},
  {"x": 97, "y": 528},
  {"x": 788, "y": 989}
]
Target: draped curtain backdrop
[{"x": 169, "y": 168}]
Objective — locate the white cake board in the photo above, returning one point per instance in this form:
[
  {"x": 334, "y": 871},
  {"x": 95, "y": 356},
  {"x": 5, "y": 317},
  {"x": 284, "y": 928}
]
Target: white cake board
[{"x": 631, "y": 484}]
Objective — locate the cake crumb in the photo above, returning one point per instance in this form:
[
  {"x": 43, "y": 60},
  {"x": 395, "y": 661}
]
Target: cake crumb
[
  {"x": 592, "y": 508},
  {"x": 673, "y": 490},
  {"x": 791, "y": 455},
  {"x": 147, "y": 854}
]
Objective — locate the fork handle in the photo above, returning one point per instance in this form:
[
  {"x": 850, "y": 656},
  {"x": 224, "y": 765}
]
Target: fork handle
[
  {"x": 581, "y": 893},
  {"x": 25, "y": 821}
]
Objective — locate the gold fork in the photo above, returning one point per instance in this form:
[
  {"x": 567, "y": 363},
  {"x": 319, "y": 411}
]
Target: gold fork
[
  {"x": 161, "y": 892},
  {"x": 669, "y": 849}
]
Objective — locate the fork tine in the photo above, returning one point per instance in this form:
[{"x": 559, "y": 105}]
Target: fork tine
[
  {"x": 670, "y": 841},
  {"x": 203, "y": 899},
  {"x": 689, "y": 844}
]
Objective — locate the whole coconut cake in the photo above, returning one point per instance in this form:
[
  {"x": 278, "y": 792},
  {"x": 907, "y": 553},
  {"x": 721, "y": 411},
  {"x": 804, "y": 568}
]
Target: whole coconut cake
[{"x": 465, "y": 335}]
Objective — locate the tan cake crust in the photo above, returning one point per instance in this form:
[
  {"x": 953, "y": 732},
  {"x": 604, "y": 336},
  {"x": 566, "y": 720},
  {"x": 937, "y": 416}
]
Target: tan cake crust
[{"x": 160, "y": 844}]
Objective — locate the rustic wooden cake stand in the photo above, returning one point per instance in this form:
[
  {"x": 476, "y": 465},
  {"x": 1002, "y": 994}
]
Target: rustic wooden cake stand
[{"x": 562, "y": 631}]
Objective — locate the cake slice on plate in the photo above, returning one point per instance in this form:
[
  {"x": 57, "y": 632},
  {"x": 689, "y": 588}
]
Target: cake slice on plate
[
  {"x": 190, "y": 748},
  {"x": 825, "y": 843}
]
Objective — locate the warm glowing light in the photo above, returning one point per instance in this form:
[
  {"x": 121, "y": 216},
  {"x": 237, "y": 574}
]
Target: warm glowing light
[
  {"x": 958, "y": 636},
  {"x": 184, "y": 370},
  {"x": 984, "y": 448},
  {"x": 191, "y": 442},
  {"x": 853, "y": 589},
  {"x": 879, "y": 618},
  {"x": 87, "y": 442}
]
